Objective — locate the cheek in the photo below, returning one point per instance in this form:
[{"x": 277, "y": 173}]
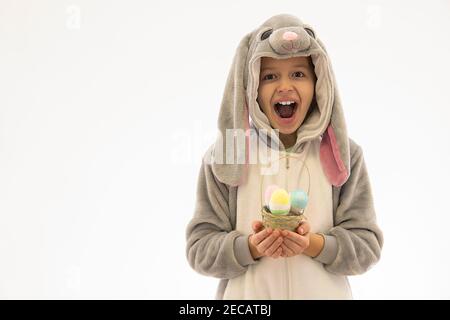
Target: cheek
[
  {"x": 312, "y": 87},
  {"x": 307, "y": 91}
]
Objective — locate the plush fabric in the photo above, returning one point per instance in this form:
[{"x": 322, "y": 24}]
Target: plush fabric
[
  {"x": 213, "y": 245},
  {"x": 239, "y": 99}
]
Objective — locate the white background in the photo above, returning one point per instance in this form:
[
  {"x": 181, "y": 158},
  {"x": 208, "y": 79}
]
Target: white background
[{"x": 107, "y": 107}]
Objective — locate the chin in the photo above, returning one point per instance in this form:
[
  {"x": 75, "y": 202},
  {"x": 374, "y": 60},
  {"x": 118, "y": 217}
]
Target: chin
[{"x": 287, "y": 131}]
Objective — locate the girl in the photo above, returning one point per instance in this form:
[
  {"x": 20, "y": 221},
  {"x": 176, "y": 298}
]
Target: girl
[{"x": 281, "y": 83}]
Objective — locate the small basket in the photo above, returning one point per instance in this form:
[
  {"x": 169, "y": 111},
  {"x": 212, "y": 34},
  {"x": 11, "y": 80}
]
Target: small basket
[{"x": 287, "y": 222}]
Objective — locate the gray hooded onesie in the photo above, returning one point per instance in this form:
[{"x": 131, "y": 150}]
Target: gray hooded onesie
[{"x": 229, "y": 194}]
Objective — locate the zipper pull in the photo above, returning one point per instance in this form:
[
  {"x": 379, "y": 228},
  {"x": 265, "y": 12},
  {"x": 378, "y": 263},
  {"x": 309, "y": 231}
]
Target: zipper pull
[{"x": 287, "y": 161}]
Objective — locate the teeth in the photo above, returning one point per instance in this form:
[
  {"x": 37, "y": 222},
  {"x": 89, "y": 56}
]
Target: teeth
[{"x": 286, "y": 102}]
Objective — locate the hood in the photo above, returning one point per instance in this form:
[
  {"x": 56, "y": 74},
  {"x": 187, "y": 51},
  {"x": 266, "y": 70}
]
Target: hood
[{"x": 240, "y": 112}]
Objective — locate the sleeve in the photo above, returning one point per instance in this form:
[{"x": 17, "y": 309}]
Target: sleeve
[
  {"x": 213, "y": 247},
  {"x": 354, "y": 244}
]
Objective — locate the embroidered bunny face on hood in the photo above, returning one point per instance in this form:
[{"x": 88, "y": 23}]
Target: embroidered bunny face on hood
[{"x": 281, "y": 37}]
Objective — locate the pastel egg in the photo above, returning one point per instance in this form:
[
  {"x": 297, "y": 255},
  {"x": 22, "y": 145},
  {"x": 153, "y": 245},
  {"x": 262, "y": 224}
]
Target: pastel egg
[
  {"x": 279, "y": 209},
  {"x": 269, "y": 190},
  {"x": 299, "y": 199},
  {"x": 280, "y": 202}
]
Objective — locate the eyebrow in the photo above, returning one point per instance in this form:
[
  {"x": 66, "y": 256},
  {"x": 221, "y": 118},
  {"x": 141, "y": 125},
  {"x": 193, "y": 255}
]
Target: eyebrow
[{"x": 295, "y": 66}]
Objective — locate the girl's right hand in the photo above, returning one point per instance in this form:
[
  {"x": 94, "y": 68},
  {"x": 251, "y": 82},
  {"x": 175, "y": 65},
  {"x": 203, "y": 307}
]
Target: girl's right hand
[{"x": 265, "y": 242}]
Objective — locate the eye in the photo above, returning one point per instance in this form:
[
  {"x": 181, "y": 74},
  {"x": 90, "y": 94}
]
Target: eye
[
  {"x": 266, "y": 34},
  {"x": 310, "y": 32},
  {"x": 299, "y": 74},
  {"x": 269, "y": 75}
]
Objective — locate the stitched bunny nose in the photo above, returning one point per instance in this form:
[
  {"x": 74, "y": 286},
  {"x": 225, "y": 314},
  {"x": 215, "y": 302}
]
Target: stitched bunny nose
[{"x": 289, "y": 35}]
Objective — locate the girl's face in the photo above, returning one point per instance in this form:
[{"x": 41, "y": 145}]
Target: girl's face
[{"x": 285, "y": 92}]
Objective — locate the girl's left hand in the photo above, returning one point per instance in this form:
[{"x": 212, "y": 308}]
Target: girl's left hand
[{"x": 295, "y": 243}]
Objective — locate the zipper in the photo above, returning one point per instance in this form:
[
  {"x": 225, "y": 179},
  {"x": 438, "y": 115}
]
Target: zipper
[
  {"x": 288, "y": 287},
  {"x": 287, "y": 168}
]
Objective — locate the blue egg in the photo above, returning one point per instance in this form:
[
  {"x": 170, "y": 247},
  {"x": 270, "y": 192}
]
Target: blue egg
[{"x": 299, "y": 199}]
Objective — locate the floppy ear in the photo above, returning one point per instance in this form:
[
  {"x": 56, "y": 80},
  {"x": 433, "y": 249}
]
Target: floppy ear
[
  {"x": 233, "y": 115},
  {"x": 335, "y": 147}
]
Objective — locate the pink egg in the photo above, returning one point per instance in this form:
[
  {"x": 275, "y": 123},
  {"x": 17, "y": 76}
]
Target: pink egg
[{"x": 270, "y": 189}]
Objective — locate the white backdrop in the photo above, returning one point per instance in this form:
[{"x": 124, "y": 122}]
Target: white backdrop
[{"x": 106, "y": 108}]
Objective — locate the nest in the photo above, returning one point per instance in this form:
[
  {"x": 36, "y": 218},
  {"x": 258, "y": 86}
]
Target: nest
[{"x": 287, "y": 222}]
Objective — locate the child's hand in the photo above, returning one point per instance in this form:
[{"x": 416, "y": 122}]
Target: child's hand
[
  {"x": 265, "y": 242},
  {"x": 295, "y": 243}
]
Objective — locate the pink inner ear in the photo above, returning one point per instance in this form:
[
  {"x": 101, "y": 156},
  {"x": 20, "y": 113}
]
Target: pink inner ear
[{"x": 331, "y": 160}]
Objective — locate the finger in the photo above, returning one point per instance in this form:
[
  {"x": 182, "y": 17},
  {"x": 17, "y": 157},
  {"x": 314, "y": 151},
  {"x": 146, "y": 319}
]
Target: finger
[
  {"x": 277, "y": 253},
  {"x": 257, "y": 226},
  {"x": 260, "y": 236},
  {"x": 300, "y": 240},
  {"x": 287, "y": 251},
  {"x": 267, "y": 242},
  {"x": 274, "y": 247},
  {"x": 270, "y": 245},
  {"x": 294, "y": 247},
  {"x": 304, "y": 227}
]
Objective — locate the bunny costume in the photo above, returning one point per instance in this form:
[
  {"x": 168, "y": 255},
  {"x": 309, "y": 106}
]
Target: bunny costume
[{"x": 324, "y": 161}]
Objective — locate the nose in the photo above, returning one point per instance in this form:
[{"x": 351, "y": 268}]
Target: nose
[
  {"x": 289, "y": 35},
  {"x": 285, "y": 90},
  {"x": 285, "y": 86}
]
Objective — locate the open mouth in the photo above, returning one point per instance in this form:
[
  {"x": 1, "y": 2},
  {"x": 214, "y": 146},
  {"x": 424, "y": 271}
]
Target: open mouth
[{"x": 286, "y": 109}]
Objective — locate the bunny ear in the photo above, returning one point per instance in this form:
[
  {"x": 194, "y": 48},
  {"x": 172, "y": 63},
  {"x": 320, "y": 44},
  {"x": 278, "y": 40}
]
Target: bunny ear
[
  {"x": 335, "y": 147},
  {"x": 332, "y": 159},
  {"x": 230, "y": 156}
]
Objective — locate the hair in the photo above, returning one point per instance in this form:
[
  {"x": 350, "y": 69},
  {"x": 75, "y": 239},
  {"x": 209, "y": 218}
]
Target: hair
[
  {"x": 313, "y": 101},
  {"x": 312, "y": 106}
]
